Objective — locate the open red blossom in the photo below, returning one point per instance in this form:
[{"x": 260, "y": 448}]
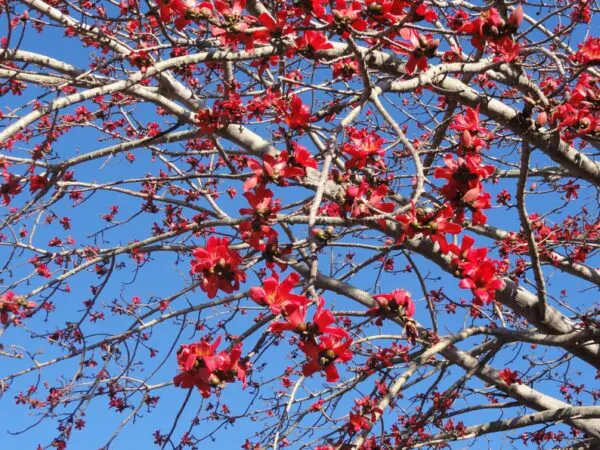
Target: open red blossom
[
  {"x": 347, "y": 17},
  {"x": 478, "y": 273},
  {"x": 365, "y": 200},
  {"x": 464, "y": 187},
  {"x": 276, "y": 295},
  {"x": 489, "y": 26},
  {"x": 13, "y": 308},
  {"x": 11, "y": 187},
  {"x": 419, "y": 47},
  {"x": 203, "y": 368},
  {"x": 389, "y": 11},
  {"x": 434, "y": 225},
  {"x": 346, "y": 69},
  {"x": 313, "y": 41},
  {"x": 588, "y": 52},
  {"x": 509, "y": 376},
  {"x": 294, "y": 312},
  {"x": 507, "y": 49},
  {"x": 357, "y": 422},
  {"x": 364, "y": 149},
  {"x": 178, "y": 10},
  {"x": 257, "y": 232},
  {"x": 274, "y": 28},
  {"x": 275, "y": 169},
  {"x": 395, "y": 303},
  {"x": 219, "y": 267},
  {"x": 474, "y": 136},
  {"x": 296, "y": 114},
  {"x": 325, "y": 354}
]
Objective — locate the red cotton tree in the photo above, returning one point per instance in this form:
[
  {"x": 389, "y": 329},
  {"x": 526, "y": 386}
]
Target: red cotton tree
[{"x": 302, "y": 224}]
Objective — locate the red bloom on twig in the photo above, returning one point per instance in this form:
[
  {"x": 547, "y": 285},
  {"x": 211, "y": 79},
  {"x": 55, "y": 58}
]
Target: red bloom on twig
[
  {"x": 219, "y": 267},
  {"x": 325, "y": 354},
  {"x": 509, "y": 376},
  {"x": 276, "y": 295},
  {"x": 478, "y": 272},
  {"x": 394, "y": 303},
  {"x": 13, "y": 308},
  {"x": 203, "y": 368},
  {"x": 313, "y": 41},
  {"x": 258, "y": 231},
  {"x": 275, "y": 169},
  {"x": 419, "y": 47}
]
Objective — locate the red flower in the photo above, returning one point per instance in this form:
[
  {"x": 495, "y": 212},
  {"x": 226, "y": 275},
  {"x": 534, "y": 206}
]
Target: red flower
[
  {"x": 276, "y": 295},
  {"x": 258, "y": 230},
  {"x": 324, "y": 355},
  {"x": 365, "y": 200},
  {"x": 275, "y": 169},
  {"x": 507, "y": 48},
  {"x": 298, "y": 114},
  {"x": 509, "y": 376},
  {"x": 345, "y": 68},
  {"x": 203, "y": 368},
  {"x": 197, "y": 363},
  {"x": 394, "y": 303},
  {"x": 434, "y": 225},
  {"x": 364, "y": 149},
  {"x": 294, "y": 312},
  {"x": 474, "y": 135},
  {"x": 588, "y": 52},
  {"x": 469, "y": 121},
  {"x": 463, "y": 187},
  {"x": 280, "y": 27},
  {"x": 347, "y": 17},
  {"x": 478, "y": 272},
  {"x": 13, "y": 308},
  {"x": 419, "y": 48},
  {"x": 219, "y": 267},
  {"x": 10, "y": 187},
  {"x": 178, "y": 9},
  {"x": 313, "y": 41}
]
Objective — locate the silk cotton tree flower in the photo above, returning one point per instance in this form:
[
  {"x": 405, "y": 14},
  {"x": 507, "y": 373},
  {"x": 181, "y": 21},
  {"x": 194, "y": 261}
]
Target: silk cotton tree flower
[{"x": 218, "y": 266}]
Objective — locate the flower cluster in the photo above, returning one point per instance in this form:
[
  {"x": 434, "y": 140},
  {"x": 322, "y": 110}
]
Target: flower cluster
[
  {"x": 478, "y": 273},
  {"x": 14, "y": 308},
  {"x": 463, "y": 188},
  {"x": 473, "y": 134},
  {"x": 364, "y": 149},
  {"x": 11, "y": 185},
  {"x": 263, "y": 209},
  {"x": 219, "y": 267},
  {"x": 321, "y": 342},
  {"x": 275, "y": 169},
  {"x": 396, "y": 304},
  {"x": 224, "y": 112},
  {"x": 201, "y": 366},
  {"x": 434, "y": 225},
  {"x": 180, "y": 11},
  {"x": 588, "y": 52},
  {"x": 418, "y": 48},
  {"x": 492, "y": 29},
  {"x": 579, "y": 115}
]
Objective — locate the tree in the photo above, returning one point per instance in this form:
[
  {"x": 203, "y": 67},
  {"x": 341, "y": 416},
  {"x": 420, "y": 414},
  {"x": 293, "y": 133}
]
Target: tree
[{"x": 365, "y": 224}]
